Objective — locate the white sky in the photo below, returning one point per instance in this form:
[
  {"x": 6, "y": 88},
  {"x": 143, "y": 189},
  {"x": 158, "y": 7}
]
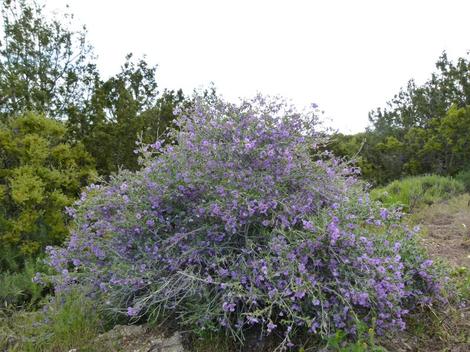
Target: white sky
[{"x": 346, "y": 56}]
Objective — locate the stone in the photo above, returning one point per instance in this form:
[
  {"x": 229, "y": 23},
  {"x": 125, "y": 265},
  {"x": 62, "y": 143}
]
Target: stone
[{"x": 138, "y": 338}]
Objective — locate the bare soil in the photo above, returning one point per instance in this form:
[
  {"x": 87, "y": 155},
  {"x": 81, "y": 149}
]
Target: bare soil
[{"x": 447, "y": 230}]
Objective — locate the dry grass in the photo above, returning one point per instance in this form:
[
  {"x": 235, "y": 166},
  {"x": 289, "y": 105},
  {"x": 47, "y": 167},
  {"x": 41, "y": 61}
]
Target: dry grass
[
  {"x": 446, "y": 228},
  {"x": 446, "y": 236}
]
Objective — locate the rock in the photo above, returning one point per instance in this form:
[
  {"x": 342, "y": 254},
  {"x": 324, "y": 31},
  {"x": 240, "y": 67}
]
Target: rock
[
  {"x": 171, "y": 344},
  {"x": 138, "y": 338}
]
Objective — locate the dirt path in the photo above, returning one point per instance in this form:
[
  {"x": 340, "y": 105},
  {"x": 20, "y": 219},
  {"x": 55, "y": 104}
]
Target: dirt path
[
  {"x": 447, "y": 230},
  {"x": 446, "y": 235}
]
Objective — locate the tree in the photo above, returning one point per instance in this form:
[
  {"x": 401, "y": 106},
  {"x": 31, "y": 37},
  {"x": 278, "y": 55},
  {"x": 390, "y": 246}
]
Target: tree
[
  {"x": 424, "y": 128},
  {"x": 416, "y": 106},
  {"x": 44, "y": 65},
  {"x": 40, "y": 174},
  {"x": 443, "y": 147},
  {"x": 122, "y": 109},
  {"x": 47, "y": 68}
]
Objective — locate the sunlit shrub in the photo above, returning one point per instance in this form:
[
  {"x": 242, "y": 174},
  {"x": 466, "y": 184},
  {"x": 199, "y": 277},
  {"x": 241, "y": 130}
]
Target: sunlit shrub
[{"x": 40, "y": 174}]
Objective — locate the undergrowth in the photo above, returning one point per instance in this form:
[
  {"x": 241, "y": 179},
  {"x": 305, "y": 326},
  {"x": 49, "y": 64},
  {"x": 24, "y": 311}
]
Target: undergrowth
[
  {"x": 66, "y": 322},
  {"x": 414, "y": 192}
]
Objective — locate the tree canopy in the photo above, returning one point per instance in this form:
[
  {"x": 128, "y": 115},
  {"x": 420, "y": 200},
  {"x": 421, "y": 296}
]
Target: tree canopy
[
  {"x": 44, "y": 65},
  {"x": 424, "y": 128},
  {"x": 49, "y": 68}
]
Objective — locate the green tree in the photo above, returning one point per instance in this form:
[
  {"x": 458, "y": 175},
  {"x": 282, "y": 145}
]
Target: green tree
[
  {"x": 123, "y": 109},
  {"x": 40, "y": 174},
  {"x": 416, "y": 106},
  {"x": 44, "y": 65},
  {"x": 443, "y": 147},
  {"x": 379, "y": 159},
  {"x": 424, "y": 128}
]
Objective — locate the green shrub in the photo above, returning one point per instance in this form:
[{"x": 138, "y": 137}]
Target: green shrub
[
  {"x": 18, "y": 288},
  {"x": 461, "y": 279},
  {"x": 417, "y": 191},
  {"x": 464, "y": 177},
  {"x": 365, "y": 341},
  {"x": 40, "y": 174}
]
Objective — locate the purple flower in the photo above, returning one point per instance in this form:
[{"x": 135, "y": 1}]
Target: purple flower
[
  {"x": 334, "y": 232},
  {"x": 426, "y": 264},
  {"x": 157, "y": 145},
  {"x": 228, "y": 307},
  {"x": 384, "y": 213},
  {"x": 271, "y": 326},
  {"x": 133, "y": 311},
  {"x": 308, "y": 225},
  {"x": 37, "y": 279}
]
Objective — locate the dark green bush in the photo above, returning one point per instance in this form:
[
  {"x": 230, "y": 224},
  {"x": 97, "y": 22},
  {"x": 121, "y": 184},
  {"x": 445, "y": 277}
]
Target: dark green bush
[{"x": 18, "y": 288}]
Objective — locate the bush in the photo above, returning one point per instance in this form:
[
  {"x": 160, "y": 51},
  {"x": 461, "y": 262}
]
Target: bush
[
  {"x": 414, "y": 192},
  {"x": 236, "y": 226},
  {"x": 464, "y": 178},
  {"x": 18, "y": 288},
  {"x": 40, "y": 174}
]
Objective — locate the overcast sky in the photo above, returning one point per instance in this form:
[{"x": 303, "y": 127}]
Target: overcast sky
[{"x": 346, "y": 56}]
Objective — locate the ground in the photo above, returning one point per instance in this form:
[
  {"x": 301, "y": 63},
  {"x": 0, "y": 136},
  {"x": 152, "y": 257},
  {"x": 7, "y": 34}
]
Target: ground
[
  {"x": 446, "y": 228},
  {"x": 446, "y": 236},
  {"x": 139, "y": 338}
]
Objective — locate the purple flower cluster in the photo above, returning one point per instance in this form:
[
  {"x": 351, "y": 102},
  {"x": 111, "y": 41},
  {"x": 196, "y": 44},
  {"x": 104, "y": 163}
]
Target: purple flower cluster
[{"x": 241, "y": 222}]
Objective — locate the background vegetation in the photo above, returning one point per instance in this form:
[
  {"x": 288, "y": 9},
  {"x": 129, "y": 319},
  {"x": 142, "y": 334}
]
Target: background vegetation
[
  {"x": 415, "y": 192},
  {"x": 422, "y": 130}
]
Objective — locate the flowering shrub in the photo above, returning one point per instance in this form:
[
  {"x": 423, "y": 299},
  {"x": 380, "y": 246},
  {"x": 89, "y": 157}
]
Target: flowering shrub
[{"x": 243, "y": 223}]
